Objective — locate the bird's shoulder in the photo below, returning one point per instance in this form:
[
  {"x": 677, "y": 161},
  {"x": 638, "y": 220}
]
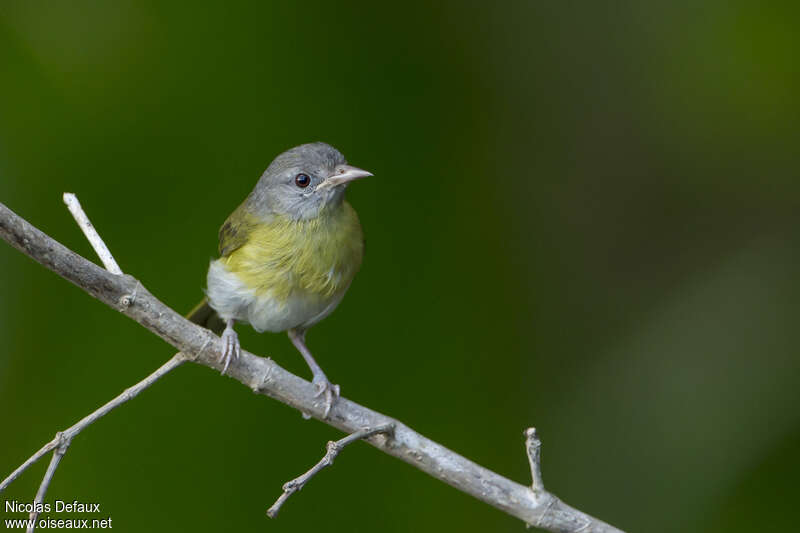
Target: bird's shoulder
[{"x": 236, "y": 231}]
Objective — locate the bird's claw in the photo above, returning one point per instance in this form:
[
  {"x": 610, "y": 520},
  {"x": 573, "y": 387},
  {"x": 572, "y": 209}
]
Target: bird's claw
[
  {"x": 327, "y": 390},
  {"x": 232, "y": 347}
]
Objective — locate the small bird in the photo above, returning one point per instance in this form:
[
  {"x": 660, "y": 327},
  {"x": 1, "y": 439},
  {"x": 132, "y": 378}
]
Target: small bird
[{"x": 287, "y": 255}]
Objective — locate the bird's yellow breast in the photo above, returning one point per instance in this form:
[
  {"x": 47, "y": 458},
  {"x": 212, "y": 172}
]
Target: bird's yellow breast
[{"x": 318, "y": 256}]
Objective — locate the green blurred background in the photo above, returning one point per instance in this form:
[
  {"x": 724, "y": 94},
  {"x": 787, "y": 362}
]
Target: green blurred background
[{"x": 584, "y": 217}]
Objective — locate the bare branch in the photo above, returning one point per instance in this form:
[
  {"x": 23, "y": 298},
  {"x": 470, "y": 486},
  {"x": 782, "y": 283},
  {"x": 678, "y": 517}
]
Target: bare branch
[
  {"x": 333, "y": 447},
  {"x": 97, "y": 243},
  {"x": 264, "y": 376}
]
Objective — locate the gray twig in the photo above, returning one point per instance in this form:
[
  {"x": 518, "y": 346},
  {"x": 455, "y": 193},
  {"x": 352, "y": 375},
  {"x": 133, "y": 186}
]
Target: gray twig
[
  {"x": 264, "y": 376},
  {"x": 58, "y": 453},
  {"x": 534, "y": 448},
  {"x": 333, "y": 447},
  {"x": 87, "y": 227}
]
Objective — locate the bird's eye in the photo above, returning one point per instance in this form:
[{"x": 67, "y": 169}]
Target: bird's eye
[{"x": 302, "y": 180}]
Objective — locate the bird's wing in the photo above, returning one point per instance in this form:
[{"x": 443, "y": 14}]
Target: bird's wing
[{"x": 235, "y": 232}]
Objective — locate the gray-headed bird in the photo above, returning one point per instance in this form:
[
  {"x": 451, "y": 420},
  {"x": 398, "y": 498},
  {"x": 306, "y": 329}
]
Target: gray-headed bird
[{"x": 287, "y": 255}]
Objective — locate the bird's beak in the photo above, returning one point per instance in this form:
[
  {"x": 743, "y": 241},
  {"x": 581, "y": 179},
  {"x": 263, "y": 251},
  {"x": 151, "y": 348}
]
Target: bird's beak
[{"x": 343, "y": 174}]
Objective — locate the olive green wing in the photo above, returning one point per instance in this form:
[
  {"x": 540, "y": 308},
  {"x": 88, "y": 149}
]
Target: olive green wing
[{"x": 235, "y": 232}]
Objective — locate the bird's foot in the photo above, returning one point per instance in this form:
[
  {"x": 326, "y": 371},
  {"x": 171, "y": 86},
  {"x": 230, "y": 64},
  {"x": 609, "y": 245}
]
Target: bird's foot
[
  {"x": 232, "y": 348},
  {"x": 326, "y": 390}
]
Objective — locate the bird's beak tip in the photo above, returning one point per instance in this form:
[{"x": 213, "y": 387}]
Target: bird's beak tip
[{"x": 347, "y": 173}]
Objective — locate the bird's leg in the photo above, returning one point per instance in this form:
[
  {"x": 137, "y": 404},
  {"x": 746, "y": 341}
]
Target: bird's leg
[
  {"x": 320, "y": 381},
  {"x": 232, "y": 348}
]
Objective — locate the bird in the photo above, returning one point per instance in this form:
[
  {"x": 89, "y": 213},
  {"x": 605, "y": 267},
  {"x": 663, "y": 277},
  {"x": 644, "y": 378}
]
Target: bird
[{"x": 288, "y": 255}]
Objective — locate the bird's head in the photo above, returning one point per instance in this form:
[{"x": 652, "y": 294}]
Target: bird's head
[{"x": 302, "y": 181}]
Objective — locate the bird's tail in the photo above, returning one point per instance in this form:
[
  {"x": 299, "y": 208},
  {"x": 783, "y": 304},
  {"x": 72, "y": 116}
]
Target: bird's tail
[{"x": 203, "y": 315}]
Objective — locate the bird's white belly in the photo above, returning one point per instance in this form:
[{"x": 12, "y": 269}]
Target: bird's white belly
[{"x": 231, "y": 298}]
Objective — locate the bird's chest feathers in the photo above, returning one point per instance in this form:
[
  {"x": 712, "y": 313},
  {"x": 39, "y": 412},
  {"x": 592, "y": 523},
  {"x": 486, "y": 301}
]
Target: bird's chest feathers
[{"x": 318, "y": 257}]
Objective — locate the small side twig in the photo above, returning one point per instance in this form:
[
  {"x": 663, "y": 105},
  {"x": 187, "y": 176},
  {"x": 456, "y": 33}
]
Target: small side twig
[
  {"x": 534, "y": 448},
  {"x": 290, "y": 487},
  {"x": 555, "y": 515},
  {"x": 86, "y": 226}
]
